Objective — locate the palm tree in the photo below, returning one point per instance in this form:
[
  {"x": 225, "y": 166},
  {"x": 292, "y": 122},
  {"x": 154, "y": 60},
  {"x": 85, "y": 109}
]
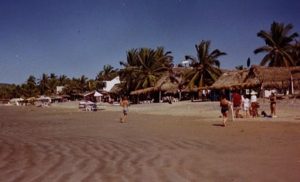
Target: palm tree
[
  {"x": 144, "y": 67},
  {"x": 30, "y": 88},
  {"x": 107, "y": 73},
  {"x": 91, "y": 85},
  {"x": 206, "y": 66},
  {"x": 83, "y": 83},
  {"x": 128, "y": 74},
  {"x": 53, "y": 82},
  {"x": 296, "y": 53},
  {"x": 63, "y": 80},
  {"x": 278, "y": 45},
  {"x": 76, "y": 85},
  {"x": 44, "y": 84}
]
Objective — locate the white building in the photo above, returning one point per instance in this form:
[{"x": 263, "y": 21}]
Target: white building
[
  {"x": 59, "y": 89},
  {"x": 186, "y": 63},
  {"x": 110, "y": 84}
]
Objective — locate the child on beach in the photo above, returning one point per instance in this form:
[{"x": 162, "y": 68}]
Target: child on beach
[
  {"x": 273, "y": 105},
  {"x": 246, "y": 106},
  {"x": 224, "y": 104},
  {"x": 254, "y": 104},
  {"x": 124, "y": 104}
]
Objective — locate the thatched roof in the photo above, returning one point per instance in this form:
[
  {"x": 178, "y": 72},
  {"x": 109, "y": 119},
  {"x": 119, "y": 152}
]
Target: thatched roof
[
  {"x": 272, "y": 77},
  {"x": 230, "y": 79},
  {"x": 259, "y": 76},
  {"x": 296, "y": 77},
  {"x": 143, "y": 91},
  {"x": 169, "y": 82},
  {"x": 163, "y": 84}
]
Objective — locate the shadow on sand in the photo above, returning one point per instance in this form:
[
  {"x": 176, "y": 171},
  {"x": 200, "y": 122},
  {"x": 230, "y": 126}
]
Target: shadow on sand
[{"x": 220, "y": 125}]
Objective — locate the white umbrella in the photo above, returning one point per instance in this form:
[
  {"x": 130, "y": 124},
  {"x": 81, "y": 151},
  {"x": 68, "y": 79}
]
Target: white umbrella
[{"x": 97, "y": 94}]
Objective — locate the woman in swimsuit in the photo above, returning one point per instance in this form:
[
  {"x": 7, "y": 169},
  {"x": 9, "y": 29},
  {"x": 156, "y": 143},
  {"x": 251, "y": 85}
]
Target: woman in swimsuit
[{"x": 224, "y": 104}]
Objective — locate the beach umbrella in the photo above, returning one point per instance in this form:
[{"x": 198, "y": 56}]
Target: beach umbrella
[{"x": 97, "y": 94}]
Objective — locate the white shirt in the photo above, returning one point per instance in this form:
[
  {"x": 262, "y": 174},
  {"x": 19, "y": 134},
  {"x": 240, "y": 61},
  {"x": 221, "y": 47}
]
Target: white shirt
[
  {"x": 253, "y": 98},
  {"x": 246, "y": 103}
]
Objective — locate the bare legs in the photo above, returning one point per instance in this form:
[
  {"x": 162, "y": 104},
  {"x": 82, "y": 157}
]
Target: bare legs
[
  {"x": 273, "y": 110},
  {"x": 224, "y": 118},
  {"x": 123, "y": 119}
]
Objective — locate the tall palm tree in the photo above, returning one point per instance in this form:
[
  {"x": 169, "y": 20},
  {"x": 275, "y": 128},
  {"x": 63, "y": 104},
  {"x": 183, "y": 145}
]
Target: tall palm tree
[
  {"x": 107, "y": 73},
  {"x": 144, "y": 67},
  {"x": 30, "y": 88},
  {"x": 53, "y": 82},
  {"x": 206, "y": 66},
  {"x": 44, "y": 84},
  {"x": 63, "y": 80},
  {"x": 83, "y": 83},
  {"x": 278, "y": 45}
]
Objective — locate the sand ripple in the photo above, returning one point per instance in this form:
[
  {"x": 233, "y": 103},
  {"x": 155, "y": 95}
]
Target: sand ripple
[
  {"x": 87, "y": 159},
  {"x": 69, "y": 146}
]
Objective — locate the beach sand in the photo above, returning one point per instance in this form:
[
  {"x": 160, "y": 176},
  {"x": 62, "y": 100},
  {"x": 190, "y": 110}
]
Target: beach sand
[{"x": 161, "y": 142}]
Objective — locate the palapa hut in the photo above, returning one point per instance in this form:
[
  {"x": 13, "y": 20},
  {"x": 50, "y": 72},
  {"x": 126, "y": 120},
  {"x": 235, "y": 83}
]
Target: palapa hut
[
  {"x": 93, "y": 96},
  {"x": 281, "y": 78},
  {"x": 143, "y": 91},
  {"x": 230, "y": 79},
  {"x": 169, "y": 83},
  {"x": 260, "y": 78}
]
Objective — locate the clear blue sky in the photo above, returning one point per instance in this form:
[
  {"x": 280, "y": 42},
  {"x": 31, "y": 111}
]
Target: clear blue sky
[{"x": 78, "y": 37}]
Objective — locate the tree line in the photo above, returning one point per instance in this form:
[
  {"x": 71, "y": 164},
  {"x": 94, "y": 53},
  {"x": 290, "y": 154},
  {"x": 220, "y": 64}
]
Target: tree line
[{"x": 145, "y": 66}]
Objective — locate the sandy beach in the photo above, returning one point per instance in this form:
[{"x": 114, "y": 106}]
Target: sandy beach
[{"x": 161, "y": 142}]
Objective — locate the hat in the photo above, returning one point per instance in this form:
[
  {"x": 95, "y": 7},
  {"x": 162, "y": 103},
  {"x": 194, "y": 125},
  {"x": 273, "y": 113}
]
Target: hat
[{"x": 253, "y": 92}]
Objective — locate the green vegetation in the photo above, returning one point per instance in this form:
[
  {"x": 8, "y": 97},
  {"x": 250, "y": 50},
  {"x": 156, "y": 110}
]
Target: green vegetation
[
  {"x": 144, "y": 67},
  {"x": 206, "y": 66},
  {"x": 279, "y": 48}
]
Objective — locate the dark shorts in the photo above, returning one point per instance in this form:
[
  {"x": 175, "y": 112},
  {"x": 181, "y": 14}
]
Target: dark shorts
[
  {"x": 224, "y": 109},
  {"x": 236, "y": 104},
  {"x": 273, "y": 104}
]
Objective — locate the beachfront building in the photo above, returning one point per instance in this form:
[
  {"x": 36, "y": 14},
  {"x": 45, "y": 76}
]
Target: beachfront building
[
  {"x": 108, "y": 85},
  {"x": 169, "y": 85},
  {"x": 93, "y": 96},
  {"x": 59, "y": 89},
  {"x": 186, "y": 63},
  {"x": 285, "y": 80}
]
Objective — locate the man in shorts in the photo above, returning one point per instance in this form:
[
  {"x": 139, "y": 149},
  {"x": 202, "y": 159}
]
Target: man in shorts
[{"x": 124, "y": 104}]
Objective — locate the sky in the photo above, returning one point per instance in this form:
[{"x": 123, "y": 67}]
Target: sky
[{"x": 78, "y": 37}]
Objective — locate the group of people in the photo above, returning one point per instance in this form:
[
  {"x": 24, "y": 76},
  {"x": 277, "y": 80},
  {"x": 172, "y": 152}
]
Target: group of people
[
  {"x": 249, "y": 106},
  {"x": 239, "y": 102}
]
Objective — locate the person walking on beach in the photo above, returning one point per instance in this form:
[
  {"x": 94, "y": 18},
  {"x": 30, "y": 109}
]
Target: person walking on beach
[
  {"x": 273, "y": 105},
  {"x": 124, "y": 104},
  {"x": 224, "y": 104},
  {"x": 237, "y": 102}
]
